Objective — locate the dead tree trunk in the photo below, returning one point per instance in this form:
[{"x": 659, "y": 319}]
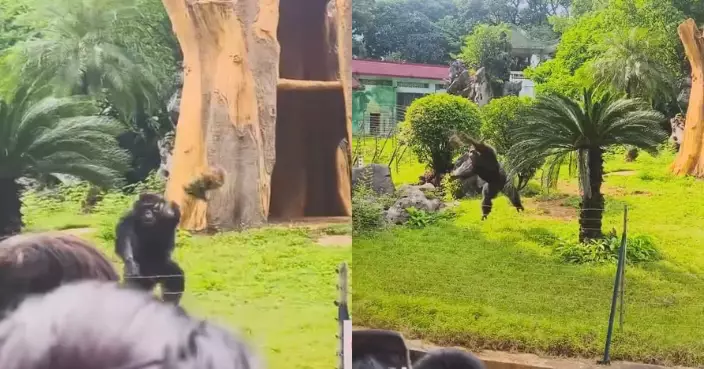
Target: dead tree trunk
[
  {"x": 690, "y": 160},
  {"x": 228, "y": 109}
]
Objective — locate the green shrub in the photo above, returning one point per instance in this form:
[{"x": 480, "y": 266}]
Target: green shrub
[
  {"x": 418, "y": 218},
  {"x": 639, "y": 249},
  {"x": 431, "y": 121},
  {"x": 500, "y": 117},
  {"x": 367, "y": 211},
  {"x": 451, "y": 188}
]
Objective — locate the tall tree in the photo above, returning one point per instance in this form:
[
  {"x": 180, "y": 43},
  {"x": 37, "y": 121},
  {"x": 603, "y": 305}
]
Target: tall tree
[
  {"x": 690, "y": 159},
  {"x": 120, "y": 52},
  {"x": 558, "y": 128},
  {"x": 41, "y": 136},
  {"x": 627, "y": 66}
]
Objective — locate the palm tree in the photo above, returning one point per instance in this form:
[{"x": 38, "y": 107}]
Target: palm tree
[
  {"x": 41, "y": 136},
  {"x": 559, "y": 129},
  {"x": 628, "y": 65},
  {"x": 78, "y": 52}
]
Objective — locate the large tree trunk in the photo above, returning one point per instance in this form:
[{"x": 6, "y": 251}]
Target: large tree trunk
[
  {"x": 690, "y": 159},
  {"x": 228, "y": 109},
  {"x": 265, "y": 83},
  {"x": 592, "y": 206},
  {"x": 10, "y": 208}
]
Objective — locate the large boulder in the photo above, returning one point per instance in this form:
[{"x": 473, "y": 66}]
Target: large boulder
[
  {"x": 471, "y": 186},
  {"x": 412, "y": 196},
  {"x": 376, "y": 176}
]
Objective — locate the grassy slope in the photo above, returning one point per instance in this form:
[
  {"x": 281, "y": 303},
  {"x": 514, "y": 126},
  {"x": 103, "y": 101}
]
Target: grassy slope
[
  {"x": 276, "y": 285},
  {"x": 496, "y": 284}
]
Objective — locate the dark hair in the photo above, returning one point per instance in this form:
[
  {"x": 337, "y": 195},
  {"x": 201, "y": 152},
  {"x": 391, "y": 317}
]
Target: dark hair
[
  {"x": 448, "y": 358},
  {"x": 99, "y": 325},
  {"x": 38, "y": 263}
]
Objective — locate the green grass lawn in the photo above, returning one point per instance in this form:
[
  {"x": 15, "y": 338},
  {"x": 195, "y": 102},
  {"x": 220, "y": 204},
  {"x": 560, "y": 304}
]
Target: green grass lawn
[
  {"x": 497, "y": 284},
  {"x": 276, "y": 285}
]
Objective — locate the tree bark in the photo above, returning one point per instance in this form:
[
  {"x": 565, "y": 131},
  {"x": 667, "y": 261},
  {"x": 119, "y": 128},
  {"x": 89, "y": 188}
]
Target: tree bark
[
  {"x": 228, "y": 109},
  {"x": 10, "y": 208},
  {"x": 689, "y": 160},
  {"x": 344, "y": 56},
  {"x": 592, "y": 205}
]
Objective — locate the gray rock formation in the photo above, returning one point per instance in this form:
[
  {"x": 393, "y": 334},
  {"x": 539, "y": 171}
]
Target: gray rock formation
[
  {"x": 166, "y": 148},
  {"x": 677, "y": 135},
  {"x": 412, "y": 196},
  {"x": 166, "y": 143},
  {"x": 476, "y": 87},
  {"x": 376, "y": 176},
  {"x": 472, "y": 186}
]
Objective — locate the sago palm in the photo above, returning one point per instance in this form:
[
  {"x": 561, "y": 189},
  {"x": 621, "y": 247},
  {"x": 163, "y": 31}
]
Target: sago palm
[
  {"x": 558, "y": 128},
  {"x": 80, "y": 52},
  {"x": 41, "y": 136}
]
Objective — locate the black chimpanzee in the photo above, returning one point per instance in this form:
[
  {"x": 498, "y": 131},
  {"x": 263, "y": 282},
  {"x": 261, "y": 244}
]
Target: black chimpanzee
[
  {"x": 145, "y": 239},
  {"x": 481, "y": 160}
]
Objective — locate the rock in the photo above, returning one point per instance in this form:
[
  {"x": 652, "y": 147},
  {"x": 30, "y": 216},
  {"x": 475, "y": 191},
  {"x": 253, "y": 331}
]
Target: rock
[
  {"x": 677, "y": 135},
  {"x": 377, "y": 176},
  {"x": 166, "y": 147},
  {"x": 174, "y": 104},
  {"x": 412, "y": 196},
  {"x": 471, "y": 186}
]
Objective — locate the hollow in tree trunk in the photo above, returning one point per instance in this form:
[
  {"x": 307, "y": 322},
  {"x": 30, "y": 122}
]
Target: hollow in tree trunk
[
  {"x": 10, "y": 208},
  {"x": 228, "y": 109},
  {"x": 690, "y": 159},
  {"x": 592, "y": 205}
]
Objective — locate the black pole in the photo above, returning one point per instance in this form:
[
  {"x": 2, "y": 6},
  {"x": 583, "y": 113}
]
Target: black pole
[{"x": 607, "y": 349}]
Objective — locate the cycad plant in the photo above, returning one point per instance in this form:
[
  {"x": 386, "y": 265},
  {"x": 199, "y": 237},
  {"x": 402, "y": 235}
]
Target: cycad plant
[
  {"x": 560, "y": 129},
  {"x": 42, "y": 135}
]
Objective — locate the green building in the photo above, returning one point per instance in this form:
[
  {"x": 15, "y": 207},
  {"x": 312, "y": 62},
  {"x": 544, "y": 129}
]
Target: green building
[{"x": 383, "y": 90}]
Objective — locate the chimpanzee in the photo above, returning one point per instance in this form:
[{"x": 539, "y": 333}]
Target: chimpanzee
[
  {"x": 481, "y": 160},
  {"x": 449, "y": 358},
  {"x": 145, "y": 239}
]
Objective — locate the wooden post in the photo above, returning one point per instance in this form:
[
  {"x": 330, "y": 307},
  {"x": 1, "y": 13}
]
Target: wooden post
[{"x": 690, "y": 160}]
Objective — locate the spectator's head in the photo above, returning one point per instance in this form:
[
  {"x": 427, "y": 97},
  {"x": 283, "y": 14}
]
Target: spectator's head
[
  {"x": 449, "y": 359},
  {"x": 38, "y": 263},
  {"x": 98, "y": 325}
]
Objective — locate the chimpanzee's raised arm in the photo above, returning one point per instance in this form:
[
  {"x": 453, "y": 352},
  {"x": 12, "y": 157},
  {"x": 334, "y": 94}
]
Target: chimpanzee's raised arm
[{"x": 126, "y": 244}]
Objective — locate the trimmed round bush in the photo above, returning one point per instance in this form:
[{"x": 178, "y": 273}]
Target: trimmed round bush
[{"x": 430, "y": 122}]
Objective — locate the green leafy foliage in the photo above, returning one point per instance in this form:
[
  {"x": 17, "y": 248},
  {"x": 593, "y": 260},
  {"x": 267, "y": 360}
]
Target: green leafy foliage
[
  {"x": 367, "y": 211},
  {"x": 419, "y": 218},
  {"x": 42, "y": 135},
  {"x": 489, "y": 47},
  {"x": 627, "y": 64},
  {"x": 431, "y": 121},
  {"x": 639, "y": 249},
  {"x": 500, "y": 117},
  {"x": 451, "y": 188},
  {"x": 557, "y": 126},
  {"x": 589, "y": 36}
]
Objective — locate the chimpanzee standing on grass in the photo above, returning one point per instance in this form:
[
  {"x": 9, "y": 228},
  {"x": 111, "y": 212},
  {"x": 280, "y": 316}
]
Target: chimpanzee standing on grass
[
  {"x": 481, "y": 160},
  {"x": 145, "y": 239}
]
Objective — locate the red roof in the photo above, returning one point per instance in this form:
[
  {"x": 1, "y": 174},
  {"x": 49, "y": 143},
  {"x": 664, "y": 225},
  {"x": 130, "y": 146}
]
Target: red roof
[{"x": 396, "y": 69}]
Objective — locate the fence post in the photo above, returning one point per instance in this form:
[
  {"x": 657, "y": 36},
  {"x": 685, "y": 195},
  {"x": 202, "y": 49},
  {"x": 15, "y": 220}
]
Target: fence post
[
  {"x": 623, "y": 255},
  {"x": 343, "y": 318},
  {"x": 617, "y": 283}
]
